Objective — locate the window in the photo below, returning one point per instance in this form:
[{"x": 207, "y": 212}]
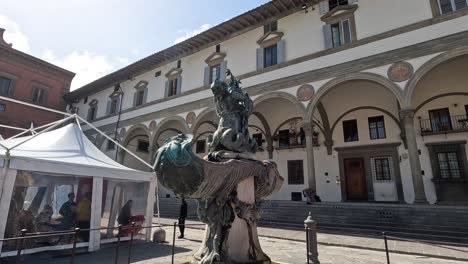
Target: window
[
  {"x": 110, "y": 145},
  {"x": 295, "y": 172},
  {"x": 448, "y": 164},
  {"x": 114, "y": 105},
  {"x": 179, "y": 62},
  {"x": 271, "y": 27},
  {"x": 270, "y": 56},
  {"x": 218, "y": 48},
  {"x": 85, "y": 100},
  {"x": 341, "y": 33},
  {"x": 334, "y": 3},
  {"x": 350, "y": 130},
  {"x": 92, "y": 113},
  {"x": 377, "y": 127},
  {"x": 157, "y": 74},
  {"x": 259, "y": 138},
  {"x": 448, "y": 6},
  {"x": 5, "y": 86},
  {"x": 440, "y": 120},
  {"x": 143, "y": 146},
  {"x": 200, "y": 147},
  {"x": 38, "y": 95},
  {"x": 172, "y": 87},
  {"x": 382, "y": 168},
  {"x": 466, "y": 110},
  {"x": 140, "y": 97},
  {"x": 2, "y": 107},
  {"x": 215, "y": 72},
  {"x": 283, "y": 138}
]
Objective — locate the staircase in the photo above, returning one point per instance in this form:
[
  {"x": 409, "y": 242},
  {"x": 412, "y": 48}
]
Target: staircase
[{"x": 424, "y": 222}]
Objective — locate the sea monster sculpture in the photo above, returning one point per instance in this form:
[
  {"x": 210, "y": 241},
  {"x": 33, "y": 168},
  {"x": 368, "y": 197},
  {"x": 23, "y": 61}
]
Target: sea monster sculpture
[{"x": 214, "y": 181}]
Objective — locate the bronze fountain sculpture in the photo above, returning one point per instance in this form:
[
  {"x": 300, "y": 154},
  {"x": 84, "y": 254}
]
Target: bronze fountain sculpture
[{"x": 228, "y": 183}]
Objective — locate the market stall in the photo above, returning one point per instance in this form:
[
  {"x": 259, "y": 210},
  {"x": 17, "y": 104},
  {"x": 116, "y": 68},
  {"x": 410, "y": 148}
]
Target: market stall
[{"x": 57, "y": 179}]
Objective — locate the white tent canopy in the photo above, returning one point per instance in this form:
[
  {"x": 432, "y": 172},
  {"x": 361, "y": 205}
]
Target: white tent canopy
[{"x": 65, "y": 150}]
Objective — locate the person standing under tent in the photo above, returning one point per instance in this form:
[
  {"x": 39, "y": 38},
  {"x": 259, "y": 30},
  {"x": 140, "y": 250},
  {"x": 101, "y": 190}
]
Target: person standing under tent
[
  {"x": 182, "y": 216},
  {"x": 68, "y": 212},
  {"x": 84, "y": 216}
]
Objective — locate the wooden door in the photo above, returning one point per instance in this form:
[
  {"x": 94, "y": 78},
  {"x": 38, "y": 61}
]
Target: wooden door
[{"x": 355, "y": 179}]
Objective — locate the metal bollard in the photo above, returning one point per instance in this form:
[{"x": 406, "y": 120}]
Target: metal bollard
[
  {"x": 117, "y": 246},
  {"x": 19, "y": 246},
  {"x": 311, "y": 240},
  {"x": 75, "y": 239},
  {"x": 131, "y": 242},
  {"x": 173, "y": 242},
  {"x": 386, "y": 247}
]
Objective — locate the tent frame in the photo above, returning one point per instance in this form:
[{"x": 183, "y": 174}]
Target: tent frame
[{"x": 8, "y": 179}]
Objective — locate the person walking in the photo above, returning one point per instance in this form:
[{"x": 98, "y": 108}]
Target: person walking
[{"x": 182, "y": 216}]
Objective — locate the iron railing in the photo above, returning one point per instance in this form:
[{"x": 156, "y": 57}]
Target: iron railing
[
  {"x": 310, "y": 238},
  {"x": 456, "y": 123}
]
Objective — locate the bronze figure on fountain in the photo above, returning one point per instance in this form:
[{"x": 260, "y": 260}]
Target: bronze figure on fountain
[{"x": 228, "y": 184}]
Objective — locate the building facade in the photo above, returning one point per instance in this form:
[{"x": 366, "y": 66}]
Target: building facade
[
  {"x": 29, "y": 79},
  {"x": 360, "y": 100}
]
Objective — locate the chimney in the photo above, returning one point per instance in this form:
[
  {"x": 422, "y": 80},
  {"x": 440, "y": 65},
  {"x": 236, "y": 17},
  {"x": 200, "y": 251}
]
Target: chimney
[{"x": 2, "y": 41}]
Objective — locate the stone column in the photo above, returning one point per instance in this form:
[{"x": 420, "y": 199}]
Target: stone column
[
  {"x": 407, "y": 117},
  {"x": 308, "y": 129}
]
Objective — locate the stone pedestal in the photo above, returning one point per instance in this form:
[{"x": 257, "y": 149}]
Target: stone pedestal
[{"x": 240, "y": 243}]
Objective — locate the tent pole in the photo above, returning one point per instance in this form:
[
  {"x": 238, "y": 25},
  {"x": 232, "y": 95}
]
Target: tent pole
[
  {"x": 37, "y": 128},
  {"x": 43, "y": 131},
  {"x": 15, "y": 128},
  {"x": 115, "y": 142},
  {"x": 34, "y": 106},
  {"x": 6, "y": 196}
]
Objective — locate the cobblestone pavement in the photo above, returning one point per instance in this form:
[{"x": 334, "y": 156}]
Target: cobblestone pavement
[{"x": 280, "y": 250}]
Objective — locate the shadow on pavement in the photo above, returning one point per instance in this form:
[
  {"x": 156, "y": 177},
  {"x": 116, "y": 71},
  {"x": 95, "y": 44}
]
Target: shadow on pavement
[{"x": 141, "y": 251}]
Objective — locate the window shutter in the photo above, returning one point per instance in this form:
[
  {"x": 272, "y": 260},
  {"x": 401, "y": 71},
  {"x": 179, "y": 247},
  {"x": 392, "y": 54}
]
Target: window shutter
[
  {"x": 259, "y": 58},
  {"x": 281, "y": 51},
  {"x": 135, "y": 95},
  {"x": 179, "y": 85},
  {"x": 352, "y": 2},
  {"x": 222, "y": 71},
  {"x": 206, "y": 76},
  {"x": 166, "y": 89},
  {"x": 108, "y": 107},
  {"x": 45, "y": 96},
  {"x": 324, "y": 7},
  {"x": 145, "y": 95},
  {"x": 327, "y": 35},
  {"x": 117, "y": 107}
]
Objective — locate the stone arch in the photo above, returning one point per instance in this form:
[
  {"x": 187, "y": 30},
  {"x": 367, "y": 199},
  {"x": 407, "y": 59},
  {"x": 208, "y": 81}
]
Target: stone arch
[
  {"x": 361, "y": 108},
  {"x": 163, "y": 126},
  {"x": 133, "y": 133},
  {"x": 361, "y": 76},
  {"x": 282, "y": 95},
  {"x": 427, "y": 67},
  {"x": 200, "y": 120},
  {"x": 437, "y": 97},
  {"x": 136, "y": 130}
]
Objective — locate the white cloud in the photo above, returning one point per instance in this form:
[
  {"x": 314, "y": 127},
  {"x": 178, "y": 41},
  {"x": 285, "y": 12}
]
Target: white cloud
[
  {"x": 135, "y": 52},
  {"x": 124, "y": 61},
  {"x": 87, "y": 65},
  {"x": 13, "y": 34},
  {"x": 191, "y": 33}
]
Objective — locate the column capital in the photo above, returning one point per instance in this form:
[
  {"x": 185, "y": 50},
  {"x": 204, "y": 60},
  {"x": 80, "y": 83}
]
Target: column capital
[
  {"x": 308, "y": 127},
  {"x": 407, "y": 114}
]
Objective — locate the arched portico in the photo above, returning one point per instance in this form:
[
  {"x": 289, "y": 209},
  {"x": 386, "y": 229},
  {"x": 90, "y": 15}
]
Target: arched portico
[{"x": 438, "y": 99}]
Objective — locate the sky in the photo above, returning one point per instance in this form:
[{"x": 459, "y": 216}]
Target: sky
[{"x": 96, "y": 37}]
